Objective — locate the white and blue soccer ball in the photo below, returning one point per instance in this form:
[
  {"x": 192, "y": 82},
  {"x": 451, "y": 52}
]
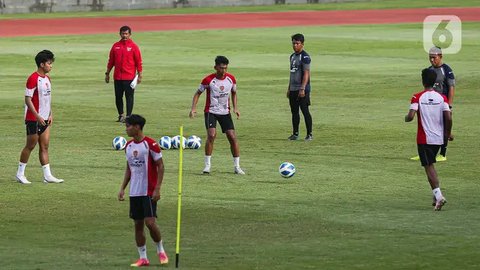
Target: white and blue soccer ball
[
  {"x": 165, "y": 142},
  {"x": 119, "y": 143},
  {"x": 286, "y": 169},
  {"x": 194, "y": 142},
  {"x": 176, "y": 142}
]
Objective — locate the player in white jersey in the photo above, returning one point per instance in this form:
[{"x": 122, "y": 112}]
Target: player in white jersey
[
  {"x": 144, "y": 172},
  {"x": 434, "y": 127},
  {"x": 219, "y": 87},
  {"x": 445, "y": 84},
  {"x": 38, "y": 117}
]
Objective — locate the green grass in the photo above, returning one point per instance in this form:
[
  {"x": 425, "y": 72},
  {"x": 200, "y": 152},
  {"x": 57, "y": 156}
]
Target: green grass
[
  {"x": 356, "y": 201},
  {"x": 347, "y": 5}
]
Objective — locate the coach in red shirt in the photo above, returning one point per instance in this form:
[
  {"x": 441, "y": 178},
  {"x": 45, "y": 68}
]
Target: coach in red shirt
[{"x": 125, "y": 56}]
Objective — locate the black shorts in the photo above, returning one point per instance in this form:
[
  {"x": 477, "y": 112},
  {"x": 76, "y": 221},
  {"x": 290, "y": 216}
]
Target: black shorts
[
  {"x": 33, "y": 127},
  {"x": 142, "y": 207},
  {"x": 427, "y": 153},
  {"x": 225, "y": 121}
]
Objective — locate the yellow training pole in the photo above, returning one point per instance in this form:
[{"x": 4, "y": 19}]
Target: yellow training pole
[{"x": 179, "y": 202}]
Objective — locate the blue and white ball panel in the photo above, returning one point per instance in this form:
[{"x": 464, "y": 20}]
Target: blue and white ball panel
[
  {"x": 286, "y": 169},
  {"x": 176, "y": 142},
  {"x": 165, "y": 142},
  {"x": 194, "y": 142},
  {"x": 119, "y": 143}
]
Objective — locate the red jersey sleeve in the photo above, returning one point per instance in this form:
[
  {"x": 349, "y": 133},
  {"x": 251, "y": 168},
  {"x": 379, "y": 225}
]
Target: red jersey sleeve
[
  {"x": 206, "y": 81},
  {"x": 414, "y": 99},
  {"x": 31, "y": 85},
  {"x": 155, "y": 151},
  {"x": 234, "y": 82},
  {"x": 233, "y": 78},
  {"x": 205, "y": 84},
  {"x": 414, "y": 102}
]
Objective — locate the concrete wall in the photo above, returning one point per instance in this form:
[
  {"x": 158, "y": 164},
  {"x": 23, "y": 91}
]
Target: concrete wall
[{"x": 39, "y": 6}]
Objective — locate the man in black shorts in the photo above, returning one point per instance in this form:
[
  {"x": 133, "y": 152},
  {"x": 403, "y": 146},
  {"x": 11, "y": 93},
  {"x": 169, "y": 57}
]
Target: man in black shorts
[
  {"x": 219, "y": 86},
  {"x": 38, "y": 117},
  {"x": 434, "y": 127},
  {"x": 444, "y": 84},
  {"x": 144, "y": 172}
]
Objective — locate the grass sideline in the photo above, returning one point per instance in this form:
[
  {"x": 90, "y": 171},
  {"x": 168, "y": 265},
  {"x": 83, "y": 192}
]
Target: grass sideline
[
  {"x": 362, "y": 4},
  {"x": 356, "y": 202}
]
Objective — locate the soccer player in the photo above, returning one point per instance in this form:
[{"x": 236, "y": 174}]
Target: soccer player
[
  {"x": 38, "y": 117},
  {"x": 144, "y": 171},
  {"x": 219, "y": 86},
  {"x": 444, "y": 84},
  {"x": 298, "y": 91},
  {"x": 125, "y": 56},
  {"x": 434, "y": 127}
]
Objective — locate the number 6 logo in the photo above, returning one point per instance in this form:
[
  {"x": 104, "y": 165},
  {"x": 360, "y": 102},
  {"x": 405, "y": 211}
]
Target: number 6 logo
[{"x": 444, "y": 31}]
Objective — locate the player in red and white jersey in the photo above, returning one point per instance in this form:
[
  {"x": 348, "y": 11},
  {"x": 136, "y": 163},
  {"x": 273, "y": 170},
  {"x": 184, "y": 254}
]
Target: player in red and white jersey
[
  {"x": 219, "y": 87},
  {"x": 445, "y": 84},
  {"x": 38, "y": 117},
  {"x": 144, "y": 172},
  {"x": 434, "y": 126}
]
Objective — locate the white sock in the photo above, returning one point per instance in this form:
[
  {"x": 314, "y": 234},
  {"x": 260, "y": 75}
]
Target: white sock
[
  {"x": 207, "y": 160},
  {"x": 236, "y": 161},
  {"x": 142, "y": 251},
  {"x": 21, "y": 168},
  {"x": 46, "y": 171},
  {"x": 159, "y": 246},
  {"x": 437, "y": 193}
]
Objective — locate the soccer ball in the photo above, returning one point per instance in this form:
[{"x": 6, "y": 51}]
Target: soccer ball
[
  {"x": 119, "y": 143},
  {"x": 176, "y": 142},
  {"x": 286, "y": 169},
  {"x": 194, "y": 142},
  {"x": 165, "y": 142}
]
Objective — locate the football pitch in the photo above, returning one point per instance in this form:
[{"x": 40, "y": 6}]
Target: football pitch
[{"x": 356, "y": 201}]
